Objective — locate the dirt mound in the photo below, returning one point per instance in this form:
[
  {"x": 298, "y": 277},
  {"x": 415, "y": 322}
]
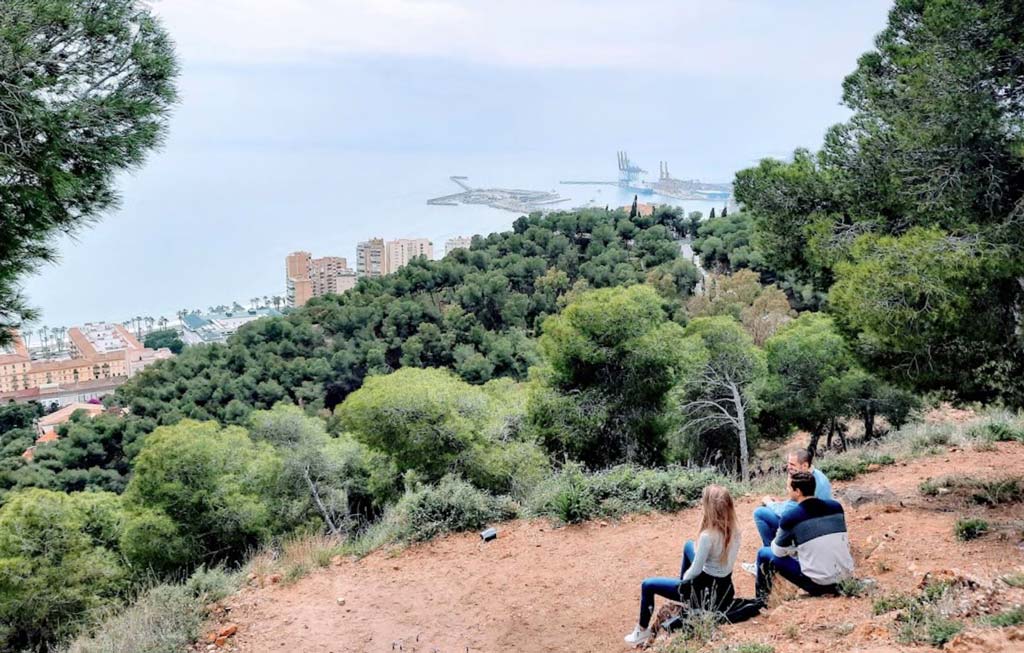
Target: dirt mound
[{"x": 536, "y": 588}]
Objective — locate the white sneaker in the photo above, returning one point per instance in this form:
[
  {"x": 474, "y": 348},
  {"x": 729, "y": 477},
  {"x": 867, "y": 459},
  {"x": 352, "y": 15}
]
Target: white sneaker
[
  {"x": 638, "y": 636},
  {"x": 750, "y": 568}
]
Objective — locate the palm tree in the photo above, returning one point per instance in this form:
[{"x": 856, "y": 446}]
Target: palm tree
[
  {"x": 59, "y": 335},
  {"x": 162, "y": 322},
  {"x": 26, "y": 336},
  {"x": 266, "y": 301},
  {"x": 44, "y": 335}
]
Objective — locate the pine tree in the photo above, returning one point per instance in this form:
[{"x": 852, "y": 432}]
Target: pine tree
[
  {"x": 632, "y": 210},
  {"x": 711, "y": 216}
]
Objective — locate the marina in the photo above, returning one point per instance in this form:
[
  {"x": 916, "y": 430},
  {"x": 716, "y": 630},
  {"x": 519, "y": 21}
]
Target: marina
[{"x": 508, "y": 199}]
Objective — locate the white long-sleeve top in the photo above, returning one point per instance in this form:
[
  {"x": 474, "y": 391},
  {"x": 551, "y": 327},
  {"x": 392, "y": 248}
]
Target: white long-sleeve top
[{"x": 708, "y": 555}]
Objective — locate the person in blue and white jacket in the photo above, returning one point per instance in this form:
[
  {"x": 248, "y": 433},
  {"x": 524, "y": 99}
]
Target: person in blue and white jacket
[{"x": 812, "y": 548}]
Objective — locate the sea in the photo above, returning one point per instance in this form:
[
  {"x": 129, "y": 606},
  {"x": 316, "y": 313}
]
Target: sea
[{"x": 199, "y": 227}]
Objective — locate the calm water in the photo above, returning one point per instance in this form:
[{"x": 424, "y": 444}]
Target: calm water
[{"x": 210, "y": 227}]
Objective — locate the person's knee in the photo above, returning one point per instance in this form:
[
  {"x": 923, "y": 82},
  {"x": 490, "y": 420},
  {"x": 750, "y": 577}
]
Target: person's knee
[{"x": 764, "y": 555}]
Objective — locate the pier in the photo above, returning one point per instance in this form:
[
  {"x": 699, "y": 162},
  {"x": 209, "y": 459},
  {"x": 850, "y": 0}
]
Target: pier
[{"x": 508, "y": 199}]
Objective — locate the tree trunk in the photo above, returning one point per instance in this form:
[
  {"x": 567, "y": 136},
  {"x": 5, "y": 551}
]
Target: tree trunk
[
  {"x": 335, "y": 531},
  {"x": 869, "y": 424},
  {"x": 741, "y": 431},
  {"x": 812, "y": 446}
]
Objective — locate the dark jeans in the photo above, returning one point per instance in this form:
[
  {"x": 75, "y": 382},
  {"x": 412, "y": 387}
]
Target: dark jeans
[
  {"x": 769, "y": 564},
  {"x": 704, "y": 591},
  {"x": 767, "y": 523}
]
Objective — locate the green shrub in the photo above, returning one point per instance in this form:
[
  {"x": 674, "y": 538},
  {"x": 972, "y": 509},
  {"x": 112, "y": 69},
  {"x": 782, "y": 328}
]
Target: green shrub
[
  {"x": 163, "y": 619},
  {"x": 891, "y": 602},
  {"x": 450, "y": 506},
  {"x": 845, "y": 467},
  {"x": 572, "y": 496},
  {"x": 930, "y": 439},
  {"x": 58, "y": 562},
  {"x": 854, "y": 587},
  {"x": 970, "y": 529},
  {"x": 210, "y": 585},
  {"x": 997, "y": 432},
  {"x": 749, "y": 647},
  {"x": 1014, "y": 580},
  {"x": 1013, "y": 617}
]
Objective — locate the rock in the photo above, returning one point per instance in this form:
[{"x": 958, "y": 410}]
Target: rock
[
  {"x": 602, "y": 523},
  {"x": 337, "y": 560},
  {"x": 857, "y": 496},
  {"x": 228, "y": 630},
  {"x": 274, "y": 579},
  {"x": 874, "y": 467},
  {"x": 221, "y": 642},
  {"x": 341, "y": 601}
]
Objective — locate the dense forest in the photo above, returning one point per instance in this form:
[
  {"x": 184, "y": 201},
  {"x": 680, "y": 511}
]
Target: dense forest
[{"x": 573, "y": 365}]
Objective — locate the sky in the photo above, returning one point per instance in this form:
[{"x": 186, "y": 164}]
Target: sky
[{"x": 312, "y": 124}]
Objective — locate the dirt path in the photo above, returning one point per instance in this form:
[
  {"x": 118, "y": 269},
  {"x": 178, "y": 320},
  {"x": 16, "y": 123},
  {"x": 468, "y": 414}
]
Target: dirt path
[{"x": 538, "y": 589}]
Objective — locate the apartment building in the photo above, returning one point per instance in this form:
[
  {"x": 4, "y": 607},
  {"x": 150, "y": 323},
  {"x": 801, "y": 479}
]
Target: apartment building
[
  {"x": 99, "y": 357},
  {"x": 403, "y": 250},
  {"x": 371, "y": 258},
  {"x": 307, "y": 277},
  {"x": 459, "y": 242}
]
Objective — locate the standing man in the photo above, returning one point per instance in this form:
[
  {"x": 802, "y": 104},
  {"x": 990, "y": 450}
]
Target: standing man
[{"x": 812, "y": 548}]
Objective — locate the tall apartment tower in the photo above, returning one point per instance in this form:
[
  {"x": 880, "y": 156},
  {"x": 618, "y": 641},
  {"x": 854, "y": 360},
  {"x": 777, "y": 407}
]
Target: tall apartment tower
[
  {"x": 308, "y": 277},
  {"x": 403, "y": 250},
  {"x": 371, "y": 258},
  {"x": 298, "y": 285},
  {"x": 458, "y": 242}
]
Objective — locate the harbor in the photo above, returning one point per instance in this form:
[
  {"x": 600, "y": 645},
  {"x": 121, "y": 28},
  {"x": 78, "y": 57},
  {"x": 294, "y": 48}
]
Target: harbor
[
  {"x": 508, "y": 199},
  {"x": 631, "y": 179}
]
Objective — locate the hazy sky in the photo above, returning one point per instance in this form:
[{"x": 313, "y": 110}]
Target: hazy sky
[{"x": 297, "y": 114}]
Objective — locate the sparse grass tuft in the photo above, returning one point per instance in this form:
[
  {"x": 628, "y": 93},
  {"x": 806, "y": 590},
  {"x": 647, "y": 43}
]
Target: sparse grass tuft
[
  {"x": 748, "y": 647},
  {"x": 1012, "y": 617},
  {"x": 1014, "y": 580},
  {"x": 997, "y": 431},
  {"x": 854, "y": 587},
  {"x": 970, "y": 529},
  {"x": 891, "y": 602}
]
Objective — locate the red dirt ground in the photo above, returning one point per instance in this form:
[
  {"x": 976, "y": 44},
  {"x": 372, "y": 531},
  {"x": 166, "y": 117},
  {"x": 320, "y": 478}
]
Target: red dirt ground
[{"x": 538, "y": 588}]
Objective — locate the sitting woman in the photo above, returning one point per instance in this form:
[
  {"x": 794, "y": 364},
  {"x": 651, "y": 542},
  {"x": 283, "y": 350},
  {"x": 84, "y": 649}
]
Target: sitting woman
[{"x": 705, "y": 581}]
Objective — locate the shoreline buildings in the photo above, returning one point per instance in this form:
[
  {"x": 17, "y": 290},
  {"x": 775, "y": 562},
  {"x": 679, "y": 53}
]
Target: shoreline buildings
[
  {"x": 100, "y": 356},
  {"x": 307, "y": 277},
  {"x": 204, "y": 328}
]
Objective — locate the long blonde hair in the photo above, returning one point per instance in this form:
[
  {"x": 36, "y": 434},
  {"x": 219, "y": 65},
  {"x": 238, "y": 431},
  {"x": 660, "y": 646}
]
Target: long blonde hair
[{"x": 719, "y": 515}]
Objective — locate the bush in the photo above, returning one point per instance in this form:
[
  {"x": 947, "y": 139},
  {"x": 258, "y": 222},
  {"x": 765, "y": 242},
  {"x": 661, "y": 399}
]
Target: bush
[
  {"x": 846, "y": 467},
  {"x": 970, "y": 529},
  {"x": 211, "y": 585},
  {"x": 58, "y": 562},
  {"x": 216, "y": 487},
  {"x": 891, "y": 602},
  {"x": 749, "y": 647},
  {"x": 572, "y": 496},
  {"x": 450, "y": 506},
  {"x": 997, "y": 432},
  {"x": 163, "y": 619},
  {"x": 1012, "y": 617}
]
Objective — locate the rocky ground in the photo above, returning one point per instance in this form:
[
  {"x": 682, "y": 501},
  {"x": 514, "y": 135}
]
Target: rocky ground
[{"x": 539, "y": 588}]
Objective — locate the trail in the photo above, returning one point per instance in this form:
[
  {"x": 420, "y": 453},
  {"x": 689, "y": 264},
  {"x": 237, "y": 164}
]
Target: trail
[{"x": 538, "y": 588}]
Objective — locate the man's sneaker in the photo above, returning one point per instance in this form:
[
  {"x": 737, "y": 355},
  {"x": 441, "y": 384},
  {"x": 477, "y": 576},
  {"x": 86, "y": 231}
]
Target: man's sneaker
[
  {"x": 750, "y": 568},
  {"x": 638, "y": 636}
]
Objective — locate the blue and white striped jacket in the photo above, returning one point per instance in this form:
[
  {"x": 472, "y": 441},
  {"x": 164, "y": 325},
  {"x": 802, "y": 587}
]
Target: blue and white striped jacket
[{"x": 814, "y": 531}]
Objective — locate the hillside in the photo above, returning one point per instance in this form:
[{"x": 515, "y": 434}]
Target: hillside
[{"x": 538, "y": 588}]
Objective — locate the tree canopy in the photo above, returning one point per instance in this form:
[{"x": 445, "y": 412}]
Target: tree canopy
[{"x": 86, "y": 91}]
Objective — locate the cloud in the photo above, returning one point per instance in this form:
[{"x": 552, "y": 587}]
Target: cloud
[{"x": 736, "y": 38}]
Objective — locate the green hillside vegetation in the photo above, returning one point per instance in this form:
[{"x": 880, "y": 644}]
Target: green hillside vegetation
[{"x": 574, "y": 366}]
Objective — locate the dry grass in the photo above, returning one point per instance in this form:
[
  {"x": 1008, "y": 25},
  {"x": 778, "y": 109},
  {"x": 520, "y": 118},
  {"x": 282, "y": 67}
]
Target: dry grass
[{"x": 294, "y": 557}]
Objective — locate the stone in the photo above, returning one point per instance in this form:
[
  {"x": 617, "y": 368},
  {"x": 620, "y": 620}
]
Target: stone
[
  {"x": 274, "y": 579},
  {"x": 858, "y": 495},
  {"x": 228, "y": 630},
  {"x": 221, "y": 642},
  {"x": 337, "y": 560},
  {"x": 341, "y": 601},
  {"x": 874, "y": 467}
]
